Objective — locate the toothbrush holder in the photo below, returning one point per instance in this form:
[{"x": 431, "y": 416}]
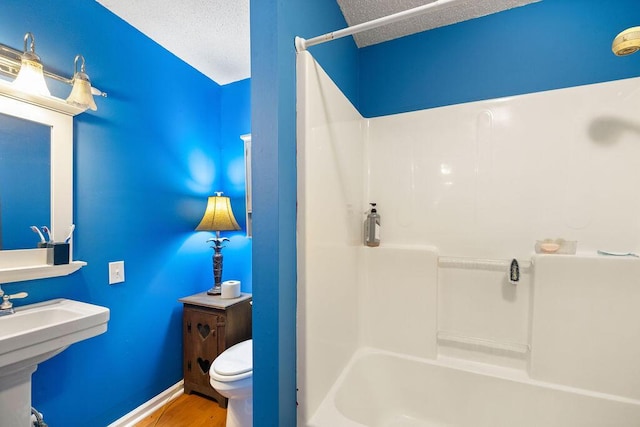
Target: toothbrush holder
[{"x": 58, "y": 253}]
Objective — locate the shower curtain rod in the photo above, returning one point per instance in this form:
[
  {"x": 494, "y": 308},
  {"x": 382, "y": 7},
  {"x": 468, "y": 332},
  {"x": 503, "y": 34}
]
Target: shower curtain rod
[{"x": 302, "y": 44}]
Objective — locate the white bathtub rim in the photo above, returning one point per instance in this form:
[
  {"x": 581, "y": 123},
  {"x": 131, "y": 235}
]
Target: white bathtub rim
[
  {"x": 495, "y": 371},
  {"x": 328, "y": 411}
]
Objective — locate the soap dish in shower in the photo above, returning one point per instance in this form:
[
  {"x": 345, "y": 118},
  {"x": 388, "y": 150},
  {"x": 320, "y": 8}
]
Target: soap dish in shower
[{"x": 556, "y": 246}]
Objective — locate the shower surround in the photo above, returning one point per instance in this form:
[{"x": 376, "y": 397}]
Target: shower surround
[{"x": 462, "y": 190}]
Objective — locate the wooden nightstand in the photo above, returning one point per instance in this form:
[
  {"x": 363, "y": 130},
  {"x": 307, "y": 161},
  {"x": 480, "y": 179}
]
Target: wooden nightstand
[{"x": 210, "y": 325}]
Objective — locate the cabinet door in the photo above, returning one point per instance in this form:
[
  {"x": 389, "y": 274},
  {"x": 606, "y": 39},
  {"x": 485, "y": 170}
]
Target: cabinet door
[{"x": 200, "y": 345}]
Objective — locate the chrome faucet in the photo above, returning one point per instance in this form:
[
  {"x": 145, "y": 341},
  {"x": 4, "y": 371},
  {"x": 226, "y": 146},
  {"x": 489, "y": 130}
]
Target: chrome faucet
[{"x": 6, "y": 307}]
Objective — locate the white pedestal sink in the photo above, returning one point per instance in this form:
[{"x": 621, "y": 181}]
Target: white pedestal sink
[{"x": 33, "y": 334}]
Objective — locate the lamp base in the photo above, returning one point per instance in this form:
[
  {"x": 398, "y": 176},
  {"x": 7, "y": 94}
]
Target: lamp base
[{"x": 216, "y": 290}]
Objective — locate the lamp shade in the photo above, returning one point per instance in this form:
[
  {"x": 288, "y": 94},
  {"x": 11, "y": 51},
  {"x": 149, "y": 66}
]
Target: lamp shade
[
  {"x": 30, "y": 78},
  {"x": 81, "y": 95},
  {"x": 218, "y": 216}
]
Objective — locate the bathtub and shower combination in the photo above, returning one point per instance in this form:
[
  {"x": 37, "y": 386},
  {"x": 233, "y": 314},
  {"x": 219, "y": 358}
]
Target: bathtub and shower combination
[
  {"x": 427, "y": 329},
  {"x": 381, "y": 389}
]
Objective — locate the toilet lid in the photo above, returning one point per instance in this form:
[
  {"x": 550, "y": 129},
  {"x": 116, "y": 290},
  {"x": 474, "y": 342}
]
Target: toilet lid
[{"x": 235, "y": 360}]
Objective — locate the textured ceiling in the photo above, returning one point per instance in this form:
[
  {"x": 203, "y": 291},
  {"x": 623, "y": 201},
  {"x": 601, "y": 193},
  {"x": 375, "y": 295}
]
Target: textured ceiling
[
  {"x": 210, "y": 35},
  {"x": 213, "y": 35},
  {"x": 447, "y": 13}
]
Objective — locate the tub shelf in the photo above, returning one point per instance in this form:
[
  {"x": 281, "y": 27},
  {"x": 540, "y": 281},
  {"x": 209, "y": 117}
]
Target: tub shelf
[{"x": 483, "y": 342}]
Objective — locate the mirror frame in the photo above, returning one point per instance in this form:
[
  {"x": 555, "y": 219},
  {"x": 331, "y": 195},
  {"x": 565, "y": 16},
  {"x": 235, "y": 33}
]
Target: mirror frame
[
  {"x": 27, "y": 264},
  {"x": 246, "y": 139}
]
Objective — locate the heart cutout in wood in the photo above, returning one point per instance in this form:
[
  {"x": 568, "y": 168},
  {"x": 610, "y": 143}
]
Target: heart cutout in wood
[
  {"x": 204, "y": 330},
  {"x": 204, "y": 365}
]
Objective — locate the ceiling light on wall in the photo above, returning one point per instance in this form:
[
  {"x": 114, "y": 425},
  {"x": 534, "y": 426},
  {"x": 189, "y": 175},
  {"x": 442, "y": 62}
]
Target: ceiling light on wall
[
  {"x": 31, "y": 76},
  {"x": 29, "y": 73},
  {"x": 81, "y": 95}
]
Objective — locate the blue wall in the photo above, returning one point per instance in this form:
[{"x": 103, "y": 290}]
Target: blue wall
[
  {"x": 551, "y": 44},
  {"x": 163, "y": 141},
  {"x": 547, "y": 45},
  {"x": 144, "y": 164},
  {"x": 274, "y": 23},
  {"x": 236, "y": 121}
]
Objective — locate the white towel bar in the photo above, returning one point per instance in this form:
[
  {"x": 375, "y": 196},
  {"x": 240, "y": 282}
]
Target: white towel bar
[{"x": 481, "y": 264}]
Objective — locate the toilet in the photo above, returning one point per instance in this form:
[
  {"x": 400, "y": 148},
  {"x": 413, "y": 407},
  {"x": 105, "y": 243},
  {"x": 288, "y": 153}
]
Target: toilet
[{"x": 231, "y": 374}]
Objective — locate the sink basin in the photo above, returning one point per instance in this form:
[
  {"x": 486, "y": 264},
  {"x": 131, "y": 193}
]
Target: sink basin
[
  {"x": 36, "y": 330},
  {"x": 33, "y": 334}
]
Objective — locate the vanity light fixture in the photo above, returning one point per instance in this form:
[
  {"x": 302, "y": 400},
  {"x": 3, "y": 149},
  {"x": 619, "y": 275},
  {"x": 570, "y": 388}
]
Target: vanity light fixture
[
  {"x": 81, "y": 95},
  {"x": 23, "y": 66},
  {"x": 31, "y": 75},
  {"x": 218, "y": 216}
]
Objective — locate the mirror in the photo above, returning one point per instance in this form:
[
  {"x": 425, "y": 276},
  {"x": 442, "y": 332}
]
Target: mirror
[
  {"x": 44, "y": 116},
  {"x": 246, "y": 139},
  {"x": 25, "y": 181}
]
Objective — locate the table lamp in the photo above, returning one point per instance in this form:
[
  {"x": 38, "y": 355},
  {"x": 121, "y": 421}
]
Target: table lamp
[{"x": 218, "y": 217}]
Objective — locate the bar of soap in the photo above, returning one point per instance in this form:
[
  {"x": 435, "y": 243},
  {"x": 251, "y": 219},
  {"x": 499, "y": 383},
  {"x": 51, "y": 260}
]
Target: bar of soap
[{"x": 549, "y": 247}]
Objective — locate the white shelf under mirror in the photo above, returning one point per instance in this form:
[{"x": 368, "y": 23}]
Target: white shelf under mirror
[{"x": 44, "y": 271}]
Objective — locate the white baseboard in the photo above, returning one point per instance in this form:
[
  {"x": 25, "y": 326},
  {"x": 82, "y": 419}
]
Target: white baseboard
[{"x": 150, "y": 406}]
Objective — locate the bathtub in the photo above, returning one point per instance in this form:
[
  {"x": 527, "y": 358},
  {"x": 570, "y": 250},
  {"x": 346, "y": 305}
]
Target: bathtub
[{"x": 382, "y": 389}]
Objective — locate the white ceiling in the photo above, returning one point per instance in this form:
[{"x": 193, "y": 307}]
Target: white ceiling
[
  {"x": 210, "y": 35},
  {"x": 213, "y": 35},
  {"x": 449, "y": 12}
]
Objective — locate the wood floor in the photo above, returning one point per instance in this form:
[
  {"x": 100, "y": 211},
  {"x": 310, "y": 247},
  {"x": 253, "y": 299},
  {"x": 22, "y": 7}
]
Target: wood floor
[{"x": 188, "y": 410}]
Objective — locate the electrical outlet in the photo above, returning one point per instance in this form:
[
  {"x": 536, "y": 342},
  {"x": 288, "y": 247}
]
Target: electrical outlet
[{"x": 116, "y": 272}]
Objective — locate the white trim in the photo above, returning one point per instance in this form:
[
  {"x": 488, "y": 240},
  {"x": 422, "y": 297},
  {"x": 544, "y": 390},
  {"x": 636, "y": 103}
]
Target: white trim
[
  {"x": 247, "y": 186},
  {"x": 149, "y": 407},
  {"x": 49, "y": 102}
]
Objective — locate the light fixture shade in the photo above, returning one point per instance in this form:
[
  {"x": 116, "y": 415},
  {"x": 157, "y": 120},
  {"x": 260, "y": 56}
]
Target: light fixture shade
[
  {"x": 31, "y": 75},
  {"x": 81, "y": 95},
  {"x": 218, "y": 215}
]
